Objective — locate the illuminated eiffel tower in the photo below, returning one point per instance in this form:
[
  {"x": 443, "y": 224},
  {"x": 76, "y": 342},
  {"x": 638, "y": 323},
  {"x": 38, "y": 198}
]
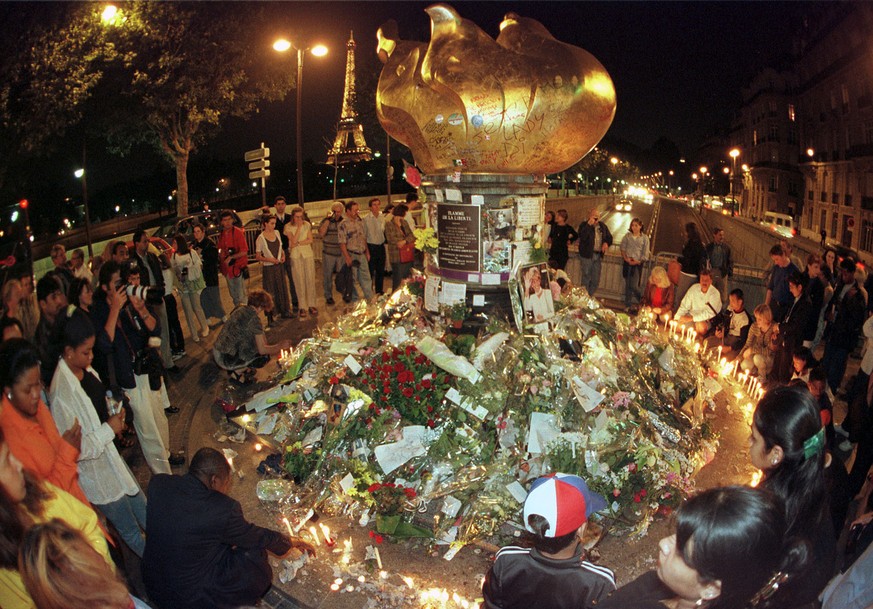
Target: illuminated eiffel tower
[{"x": 349, "y": 145}]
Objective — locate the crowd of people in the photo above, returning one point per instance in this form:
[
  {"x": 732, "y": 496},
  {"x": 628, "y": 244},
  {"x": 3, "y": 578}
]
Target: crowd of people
[{"x": 86, "y": 353}]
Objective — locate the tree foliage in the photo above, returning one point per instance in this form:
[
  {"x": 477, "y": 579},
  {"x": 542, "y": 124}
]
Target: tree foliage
[{"x": 162, "y": 72}]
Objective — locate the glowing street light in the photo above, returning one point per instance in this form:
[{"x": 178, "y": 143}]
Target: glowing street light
[
  {"x": 282, "y": 45},
  {"x": 80, "y": 174},
  {"x": 109, "y": 14},
  {"x": 810, "y": 152}
]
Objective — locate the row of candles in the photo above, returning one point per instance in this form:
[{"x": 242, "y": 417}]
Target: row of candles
[
  {"x": 325, "y": 533},
  {"x": 728, "y": 370}
]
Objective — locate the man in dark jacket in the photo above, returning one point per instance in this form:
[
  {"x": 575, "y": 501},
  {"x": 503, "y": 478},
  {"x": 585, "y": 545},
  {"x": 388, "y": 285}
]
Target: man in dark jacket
[
  {"x": 594, "y": 241},
  {"x": 719, "y": 261},
  {"x": 150, "y": 274},
  {"x": 845, "y": 317},
  {"x": 201, "y": 553},
  {"x": 281, "y": 220}
]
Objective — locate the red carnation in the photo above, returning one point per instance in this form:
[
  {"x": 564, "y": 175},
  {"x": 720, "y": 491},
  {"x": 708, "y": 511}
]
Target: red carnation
[
  {"x": 333, "y": 380},
  {"x": 410, "y": 493}
]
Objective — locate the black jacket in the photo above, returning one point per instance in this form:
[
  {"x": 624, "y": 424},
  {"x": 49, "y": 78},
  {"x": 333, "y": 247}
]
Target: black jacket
[
  {"x": 154, "y": 264},
  {"x": 693, "y": 256},
  {"x": 845, "y": 329},
  {"x": 200, "y": 552},
  {"x": 524, "y": 578},
  {"x": 209, "y": 255},
  {"x": 727, "y": 267},
  {"x": 793, "y": 326},
  {"x": 586, "y": 238}
]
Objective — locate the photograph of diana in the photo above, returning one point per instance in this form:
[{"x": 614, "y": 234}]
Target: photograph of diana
[
  {"x": 536, "y": 298},
  {"x": 502, "y": 223}
]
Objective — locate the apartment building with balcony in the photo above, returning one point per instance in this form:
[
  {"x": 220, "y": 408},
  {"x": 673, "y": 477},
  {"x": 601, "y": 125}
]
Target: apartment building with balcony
[{"x": 834, "y": 76}]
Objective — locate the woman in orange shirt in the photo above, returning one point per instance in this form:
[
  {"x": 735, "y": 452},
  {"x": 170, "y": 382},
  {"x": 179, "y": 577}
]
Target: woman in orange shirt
[{"x": 30, "y": 431}]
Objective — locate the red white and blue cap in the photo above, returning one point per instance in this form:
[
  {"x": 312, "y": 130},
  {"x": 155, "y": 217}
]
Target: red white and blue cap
[{"x": 564, "y": 500}]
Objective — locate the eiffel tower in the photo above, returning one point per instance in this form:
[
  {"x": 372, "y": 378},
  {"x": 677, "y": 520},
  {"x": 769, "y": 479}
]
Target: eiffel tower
[{"x": 349, "y": 145}]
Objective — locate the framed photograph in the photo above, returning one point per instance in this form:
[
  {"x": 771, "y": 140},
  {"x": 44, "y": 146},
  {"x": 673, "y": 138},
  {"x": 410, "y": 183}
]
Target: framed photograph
[
  {"x": 536, "y": 297},
  {"x": 501, "y": 223}
]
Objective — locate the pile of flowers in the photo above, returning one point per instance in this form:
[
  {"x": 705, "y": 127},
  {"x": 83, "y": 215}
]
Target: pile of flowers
[{"x": 392, "y": 416}]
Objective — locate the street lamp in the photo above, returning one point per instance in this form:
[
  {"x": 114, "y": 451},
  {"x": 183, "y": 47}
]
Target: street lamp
[
  {"x": 80, "y": 174},
  {"x": 318, "y": 50}
]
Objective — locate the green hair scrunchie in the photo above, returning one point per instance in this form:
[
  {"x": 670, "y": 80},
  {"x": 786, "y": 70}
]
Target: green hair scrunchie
[{"x": 814, "y": 444}]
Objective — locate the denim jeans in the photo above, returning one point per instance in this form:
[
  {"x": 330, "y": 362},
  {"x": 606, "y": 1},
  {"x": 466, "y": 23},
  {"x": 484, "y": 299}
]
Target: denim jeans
[
  {"x": 362, "y": 274},
  {"x": 128, "y": 515},
  {"x": 330, "y": 264},
  {"x": 834, "y": 363},
  {"x": 632, "y": 291},
  {"x": 237, "y": 288},
  {"x": 590, "y": 268}
]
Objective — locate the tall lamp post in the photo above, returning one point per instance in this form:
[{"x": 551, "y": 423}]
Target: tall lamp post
[
  {"x": 734, "y": 153},
  {"x": 80, "y": 173},
  {"x": 318, "y": 50}
]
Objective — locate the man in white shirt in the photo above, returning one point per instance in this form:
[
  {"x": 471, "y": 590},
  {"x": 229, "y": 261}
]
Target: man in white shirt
[
  {"x": 374, "y": 228},
  {"x": 80, "y": 269},
  {"x": 700, "y": 304}
]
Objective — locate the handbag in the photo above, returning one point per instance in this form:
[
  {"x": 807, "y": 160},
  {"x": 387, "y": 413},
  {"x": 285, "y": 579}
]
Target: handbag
[{"x": 407, "y": 252}]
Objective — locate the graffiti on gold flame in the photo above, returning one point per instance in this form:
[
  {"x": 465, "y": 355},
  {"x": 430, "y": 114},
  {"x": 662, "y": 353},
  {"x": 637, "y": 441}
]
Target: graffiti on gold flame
[{"x": 524, "y": 103}]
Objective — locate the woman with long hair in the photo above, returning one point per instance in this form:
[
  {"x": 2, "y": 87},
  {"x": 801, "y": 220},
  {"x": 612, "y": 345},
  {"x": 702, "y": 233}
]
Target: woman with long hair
[
  {"x": 658, "y": 296},
  {"x": 634, "y": 252},
  {"x": 61, "y": 570},
  {"x": 81, "y": 294},
  {"x": 398, "y": 234},
  {"x": 693, "y": 255},
  {"x": 188, "y": 268},
  {"x": 271, "y": 255},
  {"x": 730, "y": 547},
  {"x": 787, "y": 443},
  {"x": 210, "y": 298},
  {"x": 78, "y": 395},
  {"x": 299, "y": 233},
  {"x": 24, "y": 502}
]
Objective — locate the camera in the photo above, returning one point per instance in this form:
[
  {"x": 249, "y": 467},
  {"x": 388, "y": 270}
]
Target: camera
[
  {"x": 230, "y": 252},
  {"x": 152, "y": 294},
  {"x": 183, "y": 274}
]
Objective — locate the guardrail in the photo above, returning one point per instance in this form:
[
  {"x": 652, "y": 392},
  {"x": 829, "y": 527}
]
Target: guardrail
[{"x": 747, "y": 278}]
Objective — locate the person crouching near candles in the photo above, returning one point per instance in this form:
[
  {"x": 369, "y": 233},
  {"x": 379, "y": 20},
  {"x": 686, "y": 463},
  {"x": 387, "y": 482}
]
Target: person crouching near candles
[
  {"x": 757, "y": 357},
  {"x": 554, "y": 573},
  {"x": 734, "y": 326},
  {"x": 730, "y": 547},
  {"x": 700, "y": 305},
  {"x": 201, "y": 552},
  {"x": 658, "y": 297}
]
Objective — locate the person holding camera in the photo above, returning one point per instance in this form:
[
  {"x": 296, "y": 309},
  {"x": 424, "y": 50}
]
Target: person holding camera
[
  {"x": 331, "y": 254},
  {"x": 188, "y": 268},
  {"x": 233, "y": 258},
  {"x": 125, "y": 356},
  {"x": 152, "y": 275}
]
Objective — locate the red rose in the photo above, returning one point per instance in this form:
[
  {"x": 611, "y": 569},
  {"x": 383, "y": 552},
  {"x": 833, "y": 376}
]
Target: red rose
[
  {"x": 426, "y": 383},
  {"x": 407, "y": 391},
  {"x": 420, "y": 359},
  {"x": 385, "y": 356},
  {"x": 399, "y": 367},
  {"x": 386, "y": 390},
  {"x": 431, "y": 423},
  {"x": 374, "y": 487},
  {"x": 430, "y": 408},
  {"x": 409, "y": 349},
  {"x": 643, "y": 493},
  {"x": 410, "y": 493},
  {"x": 333, "y": 380},
  {"x": 387, "y": 369},
  {"x": 378, "y": 538}
]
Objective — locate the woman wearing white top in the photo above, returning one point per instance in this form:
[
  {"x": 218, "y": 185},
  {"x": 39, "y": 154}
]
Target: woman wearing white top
[
  {"x": 77, "y": 394},
  {"x": 299, "y": 233},
  {"x": 188, "y": 268},
  {"x": 268, "y": 251},
  {"x": 634, "y": 252}
]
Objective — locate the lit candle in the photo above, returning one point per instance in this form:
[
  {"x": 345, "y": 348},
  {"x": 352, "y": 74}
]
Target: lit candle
[
  {"x": 719, "y": 353},
  {"x": 378, "y": 558},
  {"x": 288, "y": 526},
  {"x": 258, "y": 447},
  {"x": 305, "y": 520},
  {"x": 666, "y": 321},
  {"x": 325, "y": 530},
  {"x": 314, "y": 536}
]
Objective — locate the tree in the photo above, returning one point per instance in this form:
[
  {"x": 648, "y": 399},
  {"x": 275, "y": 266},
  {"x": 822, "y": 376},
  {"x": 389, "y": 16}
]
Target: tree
[{"x": 177, "y": 70}]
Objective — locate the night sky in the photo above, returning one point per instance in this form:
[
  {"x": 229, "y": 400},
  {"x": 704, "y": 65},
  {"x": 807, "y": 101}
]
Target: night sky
[{"x": 678, "y": 68}]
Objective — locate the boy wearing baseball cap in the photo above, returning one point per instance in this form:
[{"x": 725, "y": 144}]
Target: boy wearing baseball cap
[{"x": 553, "y": 574}]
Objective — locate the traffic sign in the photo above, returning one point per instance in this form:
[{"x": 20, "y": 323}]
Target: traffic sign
[
  {"x": 263, "y": 173},
  {"x": 260, "y": 164},
  {"x": 255, "y": 155}
]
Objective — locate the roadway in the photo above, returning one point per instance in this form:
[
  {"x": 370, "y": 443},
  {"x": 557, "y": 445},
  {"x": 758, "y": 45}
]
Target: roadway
[{"x": 663, "y": 221}]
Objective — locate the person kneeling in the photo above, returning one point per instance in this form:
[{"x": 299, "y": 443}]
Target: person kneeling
[
  {"x": 700, "y": 304},
  {"x": 553, "y": 574},
  {"x": 201, "y": 552}
]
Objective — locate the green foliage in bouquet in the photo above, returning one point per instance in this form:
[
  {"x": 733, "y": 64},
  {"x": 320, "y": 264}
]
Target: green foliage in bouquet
[{"x": 299, "y": 461}]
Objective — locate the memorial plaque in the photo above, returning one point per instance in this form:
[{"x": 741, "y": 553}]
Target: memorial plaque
[{"x": 458, "y": 228}]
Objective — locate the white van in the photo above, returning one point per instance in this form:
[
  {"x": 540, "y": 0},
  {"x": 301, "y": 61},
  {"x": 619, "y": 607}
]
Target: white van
[{"x": 782, "y": 224}]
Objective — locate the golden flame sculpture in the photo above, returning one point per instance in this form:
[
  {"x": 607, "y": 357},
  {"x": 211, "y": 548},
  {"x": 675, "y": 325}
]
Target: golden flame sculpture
[{"x": 523, "y": 104}]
